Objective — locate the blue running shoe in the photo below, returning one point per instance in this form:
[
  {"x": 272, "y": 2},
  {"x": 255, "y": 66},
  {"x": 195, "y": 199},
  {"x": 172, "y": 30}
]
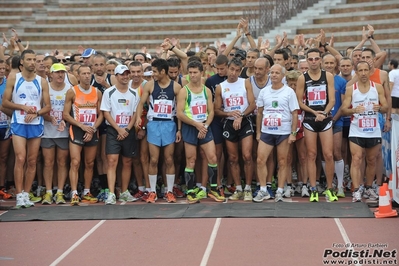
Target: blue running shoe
[
  {"x": 256, "y": 190},
  {"x": 270, "y": 191}
]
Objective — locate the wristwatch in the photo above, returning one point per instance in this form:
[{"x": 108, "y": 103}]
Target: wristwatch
[
  {"x": 325, "y": 114},
  {"x": 294, "y": 133}
]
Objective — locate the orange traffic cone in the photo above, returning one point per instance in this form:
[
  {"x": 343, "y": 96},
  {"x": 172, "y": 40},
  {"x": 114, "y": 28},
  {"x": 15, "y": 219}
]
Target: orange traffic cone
[{"x": 385, "y": 208}]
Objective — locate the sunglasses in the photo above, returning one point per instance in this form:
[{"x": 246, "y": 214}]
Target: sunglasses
[
  {"x": 231, "y": 54},
  {"x": 62, "y": 60},
  {"x": 311, "y": 59}
]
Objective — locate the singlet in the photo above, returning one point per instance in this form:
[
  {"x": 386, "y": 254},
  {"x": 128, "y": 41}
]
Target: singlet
[
  {"x": 277, "y": 108},
  {"x": 162, "y": 102},
  {"x": 340, "y": 88},
  {"x": 27, "y": 93},
  {"x": 394, "y": 77},
  {"x": 234, "y": 96},
  {"x": 212, "y": 82},
  {"x": 3, "y": 116},
  {"x": 84, "y": 108},
  {"x": 100, "y": 87},
  {"x": 121, "y": 105},
  {"x": 67, "y": 81},
  {"x": 243, "y": 73},
  {"x": 376, "y": 76},
  {"x": 365, "y": 125},
  {"x": 196, "y": 105},
  {"x": 256, "y": 89},
  {"x": 316, "y": 93},
  {"x": 57, "y": 100}
]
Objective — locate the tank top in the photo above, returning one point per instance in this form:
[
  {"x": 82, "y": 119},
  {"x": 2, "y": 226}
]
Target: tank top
[
  {"x": 162, "y": 102},
  {"x": 84, "y": 108},
  {"x": 316, "y": 93},
  {"x": 256, "y": 89},
  {"x": 57, "y": 100},
  {"x": 376, "y": 77},
  {"x": 196, "y": 105},
  {"x": 67, "y": 81},
  {"x": 3, "y": 116},
  {"x": 100, "y": 87},
  {"x": 234, "y": 96},
  {"x": 27, "y": 93},
  {"x": 365, "y": 125}
]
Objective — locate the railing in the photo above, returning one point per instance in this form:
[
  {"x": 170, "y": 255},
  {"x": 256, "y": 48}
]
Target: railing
[{"x": 272, "y": 13}]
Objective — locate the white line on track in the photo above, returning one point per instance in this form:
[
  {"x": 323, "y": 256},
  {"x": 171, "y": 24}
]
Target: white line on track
[
  {"x": 212, "y": 239},
  {"x": 345, "y": 237},
  {"x": 3, "y": 213},
  {"x": 77, "y": 243}
]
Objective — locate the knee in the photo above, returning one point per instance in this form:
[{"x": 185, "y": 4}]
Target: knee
[
  {"x": 233, "y": 158},
  {"x": 31, "y": 162},
  {"x": 75, "y": 163},
  {"x": 20, "y": 159},
  {"x": 169, "y": 161},
  {"x": 311, "y": 155},
  {"x": 153, "y": 162},
  {"x": 89, "y": 164},
  {"x": 247, "y": 157},
  {"x": 282, "y": 162}
]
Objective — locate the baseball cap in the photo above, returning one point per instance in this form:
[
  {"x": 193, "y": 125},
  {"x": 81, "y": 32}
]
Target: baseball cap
[
  {"x": 88, "y": 52},
  {"x": 149, "y": 57},
  {"x": 57, "y": 67},
  {"x": 120, "y": 69},
  {"x": 241, "y": 53}
]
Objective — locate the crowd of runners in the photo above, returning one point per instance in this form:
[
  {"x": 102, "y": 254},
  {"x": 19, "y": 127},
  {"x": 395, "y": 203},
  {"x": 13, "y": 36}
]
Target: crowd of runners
[{"x": 221, "y": 122}]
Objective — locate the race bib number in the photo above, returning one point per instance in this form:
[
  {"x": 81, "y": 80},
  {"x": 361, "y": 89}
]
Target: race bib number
[
  {"x": 88, "y": 116},
  {"x": 272, "y": 121},
  {"x": 235, "y": 101},
  {"x": 317, "y": 95},
  {"x": 163, "y": 109},
  {"x": 123, "y": 120},
  {"x": 367, "y": 124},
  {"x": 57, "y": 114},
  {"x": 199, "y": 110},
  {"x": 23, "y": 113}
]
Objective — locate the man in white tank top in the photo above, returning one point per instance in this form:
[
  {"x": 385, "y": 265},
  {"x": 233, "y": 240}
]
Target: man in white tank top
[
  {"x": 235, "y": 101},
  {"x": 28, "y": 96},
  {"x": 363, "y": 100}
]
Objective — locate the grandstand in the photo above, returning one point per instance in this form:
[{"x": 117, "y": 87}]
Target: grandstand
[{"x": 115, "y": 26}]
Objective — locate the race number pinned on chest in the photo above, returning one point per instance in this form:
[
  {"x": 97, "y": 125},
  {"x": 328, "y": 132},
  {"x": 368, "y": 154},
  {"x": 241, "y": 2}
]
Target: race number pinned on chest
[
  {"x": 88, "y": 116},
  {"x": 122, "y": 119},
  {"x": 199, "y": 110},
  {"x": 272, "y": 121},
  {"x": 317, "y": 95},
  {"x": 367, "y": 124},
  {"x": 163, "y": 109}
]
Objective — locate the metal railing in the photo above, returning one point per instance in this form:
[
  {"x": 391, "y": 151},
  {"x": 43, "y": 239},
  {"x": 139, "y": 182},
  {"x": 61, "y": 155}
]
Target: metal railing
[{"x": 272, "y": 13}]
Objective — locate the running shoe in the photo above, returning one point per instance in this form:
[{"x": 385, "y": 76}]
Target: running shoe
[
  {"x": 101, "y": 196},
  {"x": 261, "y": 196},
  {"x": 229, "y": 190},
  {"x": 4, "y": 194},
  {"x": 178, "y": 192},
  {"x": 248, "y": 195},
  {"x": 256, "y": 190},
  {"x": 170, "y": 197},
  {"x": 89, "y": 198},
  {"x": 111, "y": 199},
  {"x": 319, "y": 188},
  {"x": 330, "y": 195},
  {"x": 75, "y": 200},
  {"x": 201, "y": 194},
  {"x": 278, "y": 197},
  {"x": 298, "y": 189},
  {"x": 152, "y": 197},
  {"x": 356, "y": 197},
  {"x": 288, "y": 192},
  {"x": 28, "y": 202},
  {"x": 216, "y": 195},
  {"x": 47, "y": 199},
  {"x": 270, "y": 191},
  {"x": 370, "y": 194},
  {"x": 33, "y": 199},
  {"x": 20, "y": 201},
  {"x": 305, "y": 191},
  {"x": 314, "y": 196},
  {"x": 237, "y": 195},
  {"x": 341, "y": 193},
  {"x": 139, "y": 194},
  {"x": 126, "y": 196},
  {"x": 59, "y": 198},
  {"x": 192, "y": 198}
]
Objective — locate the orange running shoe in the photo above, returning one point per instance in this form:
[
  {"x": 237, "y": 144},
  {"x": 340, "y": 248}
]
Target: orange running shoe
[
  {"x": 170, "y": 197},
  {"x": 4, "y": 194},
  {"x": 139, "y": 194},
  {"x": 152, "y": 197}
]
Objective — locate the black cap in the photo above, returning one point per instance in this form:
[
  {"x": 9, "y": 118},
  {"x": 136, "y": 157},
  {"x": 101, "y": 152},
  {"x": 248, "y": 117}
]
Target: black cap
[{"x": 241, "y": 53}]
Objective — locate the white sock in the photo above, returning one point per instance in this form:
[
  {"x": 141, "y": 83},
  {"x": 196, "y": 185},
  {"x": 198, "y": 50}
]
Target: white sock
[
  {"x": 86, "y": 190},
  {"x": 60, "y": 191},
  {"x": 198, "y": 184},
  {"x": 170, "y": 179},
  {"x": 280, "y": 190},
  {"x": 148, "y": 189},
  {"x": 247, "y": 187},
  {"x": 239, "y": 188},
  {"x": 264, "y": 189},
  {"x": 49, "y": 191},
  {"x": 141, "y": 188},
  {"x": 203, "y": 188},
  {"x": 153, "y": 182},
  {"x": 74, "y": 192},
  {"x": 339, "y": 170}
]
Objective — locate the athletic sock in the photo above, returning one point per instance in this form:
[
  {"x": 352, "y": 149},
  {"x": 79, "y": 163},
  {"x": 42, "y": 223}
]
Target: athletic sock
[
  {"x": 170, "y": 179},
  {"x": 153, "y": 182},
  {"x": 339, "y": 170}
]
